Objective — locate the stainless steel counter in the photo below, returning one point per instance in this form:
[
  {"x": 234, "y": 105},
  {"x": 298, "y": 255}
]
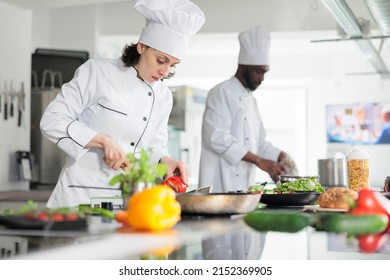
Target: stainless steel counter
[
  {"x": 15, "y": 199},
  {"x": 195, "y": 237}
]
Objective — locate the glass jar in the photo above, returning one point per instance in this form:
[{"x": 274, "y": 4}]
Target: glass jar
[
  {"x": 386, "y": 187},
  {"x": 358, "y": 170}
]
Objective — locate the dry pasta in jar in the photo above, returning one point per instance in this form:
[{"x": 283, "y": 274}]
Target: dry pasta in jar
[{"x": 358, "y": 174}]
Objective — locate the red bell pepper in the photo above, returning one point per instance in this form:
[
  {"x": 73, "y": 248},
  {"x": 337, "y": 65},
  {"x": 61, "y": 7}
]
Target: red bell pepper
[
  {"x": 176, "y": 183},
  {"x": 372, "y": 202}
]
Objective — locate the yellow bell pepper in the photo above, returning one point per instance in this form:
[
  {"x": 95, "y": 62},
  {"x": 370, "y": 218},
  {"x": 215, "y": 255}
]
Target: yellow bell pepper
[{"x": 153, "y": 209}]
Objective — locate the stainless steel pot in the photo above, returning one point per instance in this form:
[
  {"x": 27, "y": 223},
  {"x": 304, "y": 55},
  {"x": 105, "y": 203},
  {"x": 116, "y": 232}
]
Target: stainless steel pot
[{"x": 333, "y": 172}]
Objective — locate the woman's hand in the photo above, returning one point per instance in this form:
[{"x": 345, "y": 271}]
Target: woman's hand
[
  {"x": 175, "y": 167},
  {"x": 114, "y": 157}
]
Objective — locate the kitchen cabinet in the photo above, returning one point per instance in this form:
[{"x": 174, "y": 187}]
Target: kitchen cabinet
[{"x": 193, "y": 238}]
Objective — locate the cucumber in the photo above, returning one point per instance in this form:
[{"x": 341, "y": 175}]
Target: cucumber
[
  {"x": 277, "y": 221},
  {"x": 355, "y": 224}
]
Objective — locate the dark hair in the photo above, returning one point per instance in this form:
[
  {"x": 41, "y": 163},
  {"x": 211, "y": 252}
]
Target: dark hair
[{"x": 130, "y": 55}]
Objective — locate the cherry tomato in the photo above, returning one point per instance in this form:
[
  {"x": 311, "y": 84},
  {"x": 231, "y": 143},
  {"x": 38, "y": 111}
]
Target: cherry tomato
[
  {"x": 176, "y": 183},
  {"x": 42, "y": 216},
  {"x": 57, "y": 217},
  {"x": 29, "y": 216},
  {"x": 71, "y": 217}
]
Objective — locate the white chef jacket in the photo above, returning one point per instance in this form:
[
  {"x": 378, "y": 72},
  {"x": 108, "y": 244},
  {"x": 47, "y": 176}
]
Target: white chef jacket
[
  {"x": 231, "y": 127},
  {"x": 103, "y": 97}
]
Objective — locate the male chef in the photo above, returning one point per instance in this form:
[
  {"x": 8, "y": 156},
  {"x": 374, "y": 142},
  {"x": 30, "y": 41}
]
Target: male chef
[{"x": 233, "y": 136}]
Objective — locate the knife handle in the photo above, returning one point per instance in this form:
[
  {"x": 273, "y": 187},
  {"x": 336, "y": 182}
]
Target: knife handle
[
  {"x": 11, "y": 111},
  {"x": 19, "y": 118},
  {"x": 5, "y": 111}
]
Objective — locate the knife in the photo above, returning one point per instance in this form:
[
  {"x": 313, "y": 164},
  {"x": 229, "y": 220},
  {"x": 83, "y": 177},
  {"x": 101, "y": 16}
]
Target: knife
[
  {"x": 11, "y": 108},
  {"x": 21, "y": 105},
  {"x": 98, "y": 188},
  {"x": 2, "y": 93},
  {"x": 5, "y": 106}
]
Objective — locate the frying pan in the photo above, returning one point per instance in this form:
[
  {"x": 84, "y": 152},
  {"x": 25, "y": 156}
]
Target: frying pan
[{"x": 217, "y": 203}]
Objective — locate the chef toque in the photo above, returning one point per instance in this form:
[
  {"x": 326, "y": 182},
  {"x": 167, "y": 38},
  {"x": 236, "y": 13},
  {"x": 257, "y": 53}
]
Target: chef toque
[
  {"x": 169, "y": 24},
  {"x": 254, "y": 46}
]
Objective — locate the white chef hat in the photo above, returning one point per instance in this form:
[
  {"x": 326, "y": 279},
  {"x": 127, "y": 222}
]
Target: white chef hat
[
  {"x": 254, "y": 46},
  {"x": 169, "y": 24}
]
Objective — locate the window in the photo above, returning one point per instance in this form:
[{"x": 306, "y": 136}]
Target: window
[{"x": 283, "y": 111}]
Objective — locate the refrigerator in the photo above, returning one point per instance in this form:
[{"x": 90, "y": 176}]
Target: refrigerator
[
  {"x": 185, "y": 128},
  {"x": 48, "y": 158},
  {"x": 50, "y": 68}
]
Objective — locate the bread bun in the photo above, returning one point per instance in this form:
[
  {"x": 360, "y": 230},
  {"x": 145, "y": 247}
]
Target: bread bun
[{"x": 335, "y": 197}]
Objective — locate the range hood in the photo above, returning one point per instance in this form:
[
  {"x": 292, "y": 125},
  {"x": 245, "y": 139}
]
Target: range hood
[{"x": 380, "y": 11}]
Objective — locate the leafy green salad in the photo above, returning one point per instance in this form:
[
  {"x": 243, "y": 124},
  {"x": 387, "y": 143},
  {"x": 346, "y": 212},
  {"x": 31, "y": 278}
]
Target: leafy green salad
[{"x": 299, "y": 185}]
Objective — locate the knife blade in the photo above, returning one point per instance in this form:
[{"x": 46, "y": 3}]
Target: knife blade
[{"x": 89, "y": 187}]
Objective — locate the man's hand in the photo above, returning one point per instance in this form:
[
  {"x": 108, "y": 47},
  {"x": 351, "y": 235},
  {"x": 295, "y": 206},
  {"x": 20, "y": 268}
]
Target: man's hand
[
  {"x": 273, "y": 168},
  {"x": 289, "y": 166}
]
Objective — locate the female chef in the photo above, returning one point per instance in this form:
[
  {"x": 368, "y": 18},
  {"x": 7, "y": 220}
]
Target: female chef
[{"x": 112, "y": 107}]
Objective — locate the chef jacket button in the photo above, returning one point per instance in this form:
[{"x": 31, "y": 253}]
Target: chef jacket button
[
  {"x": 132, "y": 143},
  {"x": 149, "y": 93},
  {"x": 244, "y": 119},
  {"x": 236, "y": 175},
  {"x": 247, "y": 139},
  {"x": 144, "y": 118}
]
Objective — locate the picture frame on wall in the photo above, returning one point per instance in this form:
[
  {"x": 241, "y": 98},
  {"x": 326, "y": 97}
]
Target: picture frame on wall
[{"x": 356, "y": 124}]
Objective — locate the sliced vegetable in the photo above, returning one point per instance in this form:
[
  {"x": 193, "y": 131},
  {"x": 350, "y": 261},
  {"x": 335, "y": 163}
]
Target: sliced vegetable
[{"x": 176, "y": 183}]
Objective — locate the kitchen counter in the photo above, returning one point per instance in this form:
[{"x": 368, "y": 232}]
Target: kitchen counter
[
  {"x": 14, "y": 199},
  {"x": 194, "y": 238}
]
